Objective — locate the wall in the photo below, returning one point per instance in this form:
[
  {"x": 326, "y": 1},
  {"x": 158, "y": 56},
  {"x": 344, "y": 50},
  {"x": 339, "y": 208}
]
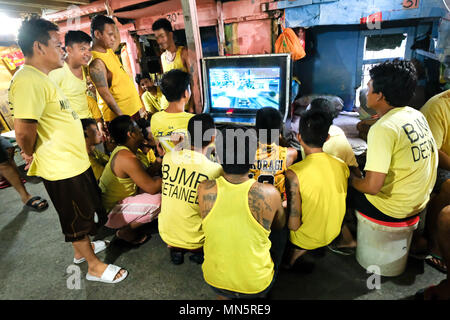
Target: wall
[{"x": 330, "y": 64}]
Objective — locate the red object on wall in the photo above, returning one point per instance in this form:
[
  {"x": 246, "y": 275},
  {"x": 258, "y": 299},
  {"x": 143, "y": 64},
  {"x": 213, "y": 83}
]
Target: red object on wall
[{"x": 372, "y": 18}]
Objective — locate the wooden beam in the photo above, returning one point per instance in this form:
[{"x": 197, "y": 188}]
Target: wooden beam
[
  {"x": 19, "y": 9},
  {"x": 42, "y": 4},
  {"x": 74, "y": 1}
]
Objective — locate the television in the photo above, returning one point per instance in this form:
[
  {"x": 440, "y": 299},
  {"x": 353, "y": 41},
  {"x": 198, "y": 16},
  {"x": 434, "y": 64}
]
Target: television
[{"x": 235, "y": 87}]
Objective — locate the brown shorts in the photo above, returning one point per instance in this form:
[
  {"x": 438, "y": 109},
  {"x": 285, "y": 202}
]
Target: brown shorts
[{"x": 76, "y": 200}]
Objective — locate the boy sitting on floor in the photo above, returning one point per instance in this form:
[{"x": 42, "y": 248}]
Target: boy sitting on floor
[{"x": 316, "y": 189}]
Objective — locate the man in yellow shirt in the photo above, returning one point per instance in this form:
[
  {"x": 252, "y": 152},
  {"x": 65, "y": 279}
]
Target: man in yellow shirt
[
  {"x": 152, "y": 96},
  {"x": 169, "y": 126},
  {"x": 116, "y": 91},
  {"x": 238, "y": 215},
  {"x": 316, "y": 189},
  {"x": 93, "y": 137},
  {"x": 173, "y": 57},
  {"x": 180, "y": 223},
  {"x": 49, "y": 130}
]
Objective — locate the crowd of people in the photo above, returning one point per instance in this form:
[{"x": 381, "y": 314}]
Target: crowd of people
[{"x": 241, "y": 202}]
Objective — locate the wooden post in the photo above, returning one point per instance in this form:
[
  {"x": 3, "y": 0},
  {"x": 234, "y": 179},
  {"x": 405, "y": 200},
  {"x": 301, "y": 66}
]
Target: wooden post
[
  {"x": 220, "y": 29},
  {"x": 194, "y": 49}
]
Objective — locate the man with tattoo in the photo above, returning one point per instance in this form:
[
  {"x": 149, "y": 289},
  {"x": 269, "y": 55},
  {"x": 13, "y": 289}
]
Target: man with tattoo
[
  {"x": 238, "y": 214},
  {"x": 316, "y": 189},
  {"x": 179, "y": 223},
  {"x": 116, "y": 90}
]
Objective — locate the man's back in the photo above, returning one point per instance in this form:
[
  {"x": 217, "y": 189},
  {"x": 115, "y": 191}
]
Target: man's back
[
  {"x": 322, "y": 182},
  {"x": 237, "y": 218},
  {"x": 163, "y": 124},
  {"x": 401, "y": 145},
  {"x": 180, "y": 222}
]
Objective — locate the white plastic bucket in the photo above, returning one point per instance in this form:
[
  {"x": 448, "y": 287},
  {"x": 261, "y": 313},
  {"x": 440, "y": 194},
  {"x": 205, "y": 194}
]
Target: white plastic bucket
[{"x": 385, "y": 247}]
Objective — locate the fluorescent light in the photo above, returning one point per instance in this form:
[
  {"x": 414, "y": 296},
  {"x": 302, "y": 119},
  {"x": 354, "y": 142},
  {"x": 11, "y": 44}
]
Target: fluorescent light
[{"x": 8, "y": 25}]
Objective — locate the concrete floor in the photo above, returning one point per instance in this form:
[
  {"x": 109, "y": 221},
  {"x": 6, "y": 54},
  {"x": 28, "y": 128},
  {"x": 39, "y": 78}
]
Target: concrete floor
[{"x": 34, "y": 259}]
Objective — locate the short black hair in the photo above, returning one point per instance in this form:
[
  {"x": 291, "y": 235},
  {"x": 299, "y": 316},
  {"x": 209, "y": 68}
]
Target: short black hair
[
  {"x": 77, "y": 36},
  {"x": 236, "y": 149},
  {"x": 396, "y": 80},
  {"x": 144, "y": 124},
  {"x": 98, "y": 23},
  {"x": 141, "y": 76},
  {"x": 34, "y": 29},
  {"x": 326, "y": 105},
  {"x": 314, "y": 125},
  {"x": 162, "y": 23},
  {"x": 86, "y": 123},
  {"x": 174, "y": 83},
  {"x": 206, "y": 122},
  {"x": 269, "y": 119},
  {"x": 119, "y": 128}
]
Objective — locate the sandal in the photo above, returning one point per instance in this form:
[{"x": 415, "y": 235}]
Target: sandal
[
  {"x": 436, "y": 262},
  {"x": 345, "y": 251},
  {"x": 37, "y": 203},
  {"x": 108, "y": 275}
]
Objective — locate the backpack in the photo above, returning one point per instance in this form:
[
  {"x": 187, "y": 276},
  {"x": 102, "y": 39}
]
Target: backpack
[{"x": 288, "y": 42}]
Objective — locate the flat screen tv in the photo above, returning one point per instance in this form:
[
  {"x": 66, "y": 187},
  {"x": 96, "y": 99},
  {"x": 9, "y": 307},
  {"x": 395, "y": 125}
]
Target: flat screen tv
[{"x": 235, "y": 87}]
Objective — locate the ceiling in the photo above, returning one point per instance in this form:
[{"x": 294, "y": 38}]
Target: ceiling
[{"x": 17, "y": 8}]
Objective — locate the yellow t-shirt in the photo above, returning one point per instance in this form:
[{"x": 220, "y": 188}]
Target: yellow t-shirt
[
  {"x": 122, "y": 87},
  {"x": 237, "y": 247},
  {"x": 401, "y": 145},
  {"x": 115, "y": 189},
  {"x": 271, "y": 160},
  {"x": 437, "y": 113},
  {"x": 337, "y": 145},
  {"x": 93, "y": 105},
  {"x": 74, "y": 89},
  {"x": 164, "y": 124},
  {"x": 60, "y": 151},
  {"x": 154, "y": 103},
  {"x": 179, "y": 222},
  {"x": 98, "y": 162},
  {"x": 323, "y": 188}
]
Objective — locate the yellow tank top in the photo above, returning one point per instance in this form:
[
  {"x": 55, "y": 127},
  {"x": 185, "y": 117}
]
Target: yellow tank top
[
  {"x": 179, "y": 221},
  {"x": 122, "y": 87},
  {"x": 177, "y": 63},
  {"x": 98, "y": 161},
  {"x": 271, "y": 160},
  {"x": 115, "y": 189},
  {"x": 236, "y": 248}
]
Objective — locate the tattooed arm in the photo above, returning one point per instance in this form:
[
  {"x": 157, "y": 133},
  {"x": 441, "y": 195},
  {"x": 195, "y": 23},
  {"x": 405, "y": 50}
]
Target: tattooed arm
[
  {"x": 98, "y": 74},
  {"x": 207, "y": 194},
  {"x": 294, "y": 201},
  {"x": 264, "y": 202}
]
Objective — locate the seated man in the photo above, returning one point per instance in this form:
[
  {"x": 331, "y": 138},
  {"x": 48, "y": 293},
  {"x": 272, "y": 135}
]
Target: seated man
[
  {"x": 123, "y": 174},
  {"x": 180, "y": 223},
  {"x": 152, "y": 96},
  {"x": 148, "y": 153},
  {"x": 238, "y": 214},
  {"x": 402, "y": 155},
  {"x": 169, "y": 126},
  {"x": 272, "y": 160},
  {"x": 8, "y": 170},
  {"x": 437, "y": 113},
  {"x": 93, "y": 137},
  {"x": 316, "y": 209}
]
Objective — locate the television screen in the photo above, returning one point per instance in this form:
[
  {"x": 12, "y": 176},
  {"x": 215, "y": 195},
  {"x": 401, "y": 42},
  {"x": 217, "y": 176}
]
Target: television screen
[
  {"x": 244, "y": 88},
  {"x": 236, "y": 87}
]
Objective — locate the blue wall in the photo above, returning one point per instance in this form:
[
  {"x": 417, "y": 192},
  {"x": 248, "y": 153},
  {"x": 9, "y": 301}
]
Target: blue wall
[{"x": 330, "y": 65}]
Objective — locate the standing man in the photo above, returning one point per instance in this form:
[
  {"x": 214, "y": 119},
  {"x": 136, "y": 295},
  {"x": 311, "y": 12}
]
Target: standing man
[
  {"x": 173, "y": 57},
  {"x": 48, "y": 129},
  {"x": 116, "y": 89},
  {"x": 71, "y": 78}
]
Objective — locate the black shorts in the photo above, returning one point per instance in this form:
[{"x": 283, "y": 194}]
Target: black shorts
[
  {"x": 76, "y": 200},
  {"x": 357, "y": 200},
  {"x": 4, "y": 146},
  {"x": 237, "y": 295}
]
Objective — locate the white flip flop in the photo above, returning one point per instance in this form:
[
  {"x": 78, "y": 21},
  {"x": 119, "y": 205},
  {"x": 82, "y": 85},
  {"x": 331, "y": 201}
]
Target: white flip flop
[
  {"x": 108, "y": 275},
  {"x": 99, "y": 246}
]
